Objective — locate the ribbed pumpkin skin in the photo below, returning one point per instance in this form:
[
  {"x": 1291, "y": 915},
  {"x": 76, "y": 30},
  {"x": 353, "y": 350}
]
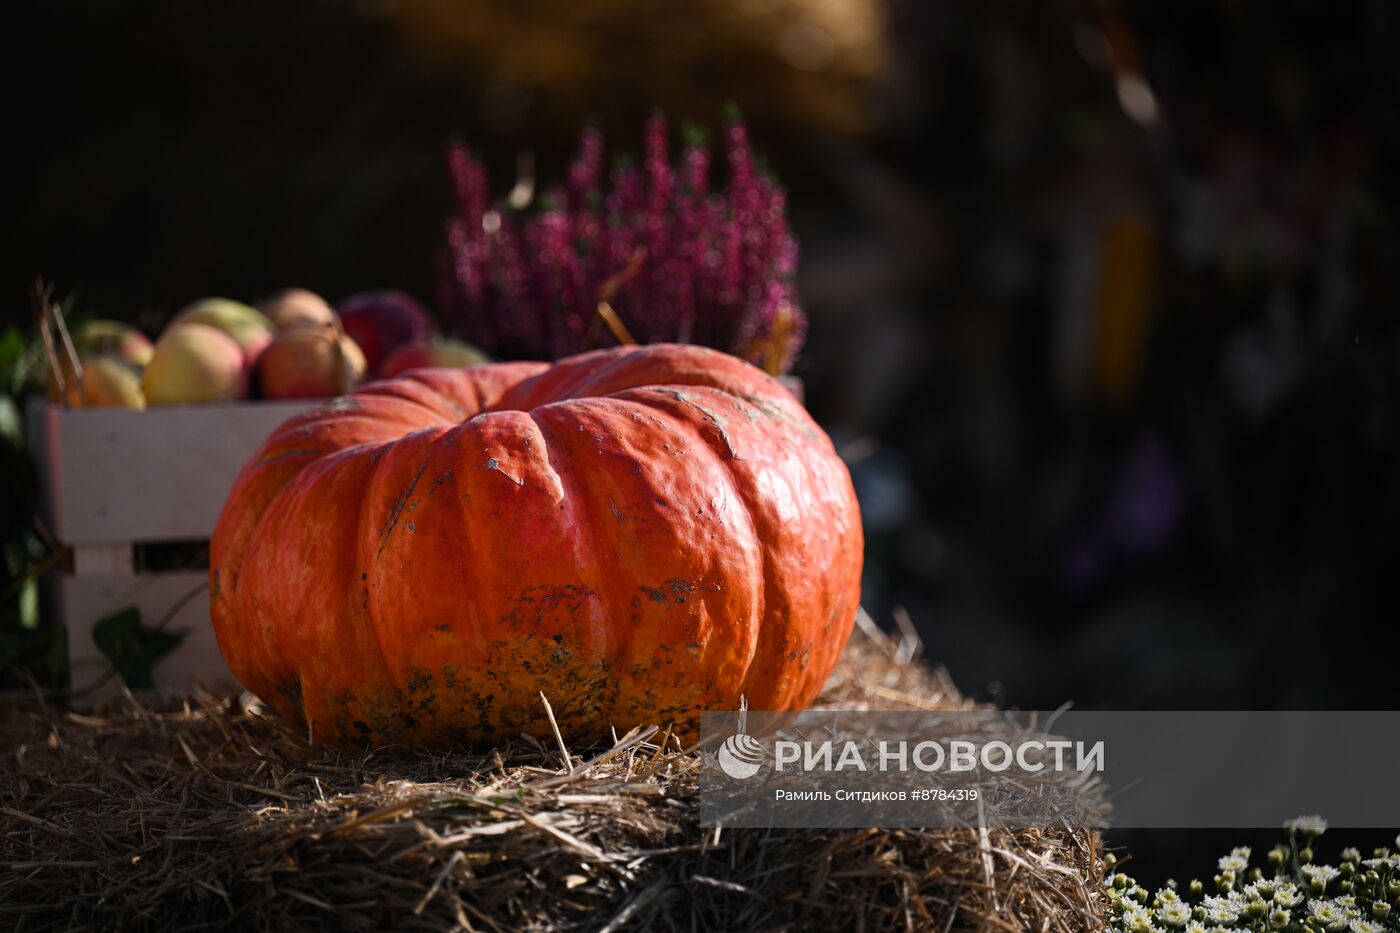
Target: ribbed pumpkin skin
[{"x": 640, "y": 533}]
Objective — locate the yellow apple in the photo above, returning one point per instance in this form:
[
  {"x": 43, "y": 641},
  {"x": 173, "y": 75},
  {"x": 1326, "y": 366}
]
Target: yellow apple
[
  {"x": 248, "y": 326},
  {"x": 195, "y": 363}
]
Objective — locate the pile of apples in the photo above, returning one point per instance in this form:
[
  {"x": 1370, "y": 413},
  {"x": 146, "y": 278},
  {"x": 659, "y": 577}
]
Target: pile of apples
[{"x": 294, "y": 345}]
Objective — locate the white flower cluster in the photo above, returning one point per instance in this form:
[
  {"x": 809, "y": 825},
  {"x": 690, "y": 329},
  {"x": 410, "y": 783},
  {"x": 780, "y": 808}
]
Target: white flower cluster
[{"x": 1360, "y": 895}]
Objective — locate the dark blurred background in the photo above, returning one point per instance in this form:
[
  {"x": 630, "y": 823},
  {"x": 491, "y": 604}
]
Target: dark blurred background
[{"x": 1103, "y": 295}]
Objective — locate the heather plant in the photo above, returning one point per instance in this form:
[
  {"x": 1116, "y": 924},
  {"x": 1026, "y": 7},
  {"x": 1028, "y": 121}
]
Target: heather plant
[
  {"x": 652, "y": 252},
  {"x": 1289, "y": 892}
]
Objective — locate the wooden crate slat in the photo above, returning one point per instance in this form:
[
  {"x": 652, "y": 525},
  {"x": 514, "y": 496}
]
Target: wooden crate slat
[{"x": 114, "y": 476}]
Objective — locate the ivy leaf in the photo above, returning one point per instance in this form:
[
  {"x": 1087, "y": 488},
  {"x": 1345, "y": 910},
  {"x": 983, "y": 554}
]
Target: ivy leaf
[{"x": 133, "y": 648}]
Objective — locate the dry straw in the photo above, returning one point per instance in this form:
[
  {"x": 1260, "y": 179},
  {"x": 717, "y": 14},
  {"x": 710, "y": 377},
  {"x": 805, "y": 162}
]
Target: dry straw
[{"x": 211, "y": 813}]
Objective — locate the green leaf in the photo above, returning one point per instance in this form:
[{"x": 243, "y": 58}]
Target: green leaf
[
  {"x": 11, "y": 427},
  {"x": 29, "y": 603},
  {"x": 133, "y": 648},
  {"x": 12, "y": 349}
]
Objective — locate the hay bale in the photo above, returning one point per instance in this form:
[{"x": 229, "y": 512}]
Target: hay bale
[{"x": 144, "y": 815}]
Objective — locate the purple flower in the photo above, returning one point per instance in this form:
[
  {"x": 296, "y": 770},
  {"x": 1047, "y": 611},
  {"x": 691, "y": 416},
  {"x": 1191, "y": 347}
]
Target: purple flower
[{"x": 675, "y": 258}]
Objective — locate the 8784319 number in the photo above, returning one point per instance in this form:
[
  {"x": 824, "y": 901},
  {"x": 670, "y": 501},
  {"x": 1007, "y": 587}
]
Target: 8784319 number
[{"x": 944, "y": 793}]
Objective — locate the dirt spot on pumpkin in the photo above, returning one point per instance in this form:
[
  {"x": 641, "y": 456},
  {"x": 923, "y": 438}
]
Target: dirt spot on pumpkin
[
  {"x": 536, "y": 604},
  {"x": 294, "y": 452},
  {"x": 291, "y": 692},
  {"x": 769, "y": 409},
  {"x": 340, "y": 405},
  {"x": 717, "y": 421},
  {"x": 494, "y": 464},
  {"x": 397, "y": 509},
  {"x": 676, "y": 591}
]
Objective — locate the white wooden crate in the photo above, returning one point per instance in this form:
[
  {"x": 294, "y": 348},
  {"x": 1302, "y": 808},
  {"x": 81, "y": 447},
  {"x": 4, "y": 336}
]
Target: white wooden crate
[{"x": 112, "y": 480}]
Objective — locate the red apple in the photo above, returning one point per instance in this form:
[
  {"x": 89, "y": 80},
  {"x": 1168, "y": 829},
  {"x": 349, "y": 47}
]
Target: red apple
[
  {"x": 446, "y": 354},
  {"x": 112, "y": 338},
  {"x": 310, "y": 361},
  {"x": 381, "y": 322}
]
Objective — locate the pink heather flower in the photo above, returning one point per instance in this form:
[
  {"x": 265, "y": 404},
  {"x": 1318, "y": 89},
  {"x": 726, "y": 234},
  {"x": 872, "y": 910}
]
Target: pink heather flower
[{"x": 676, "y": 257}]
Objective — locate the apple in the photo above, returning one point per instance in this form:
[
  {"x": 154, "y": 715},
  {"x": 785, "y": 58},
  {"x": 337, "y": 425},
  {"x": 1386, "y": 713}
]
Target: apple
[
  {"x": 249, "y": 327},
  {"x": 310, "y": 361},
  {"x": 112, "y": 338},
  {"x": 292, "y": 307},
  {"x": 381, "y": 322},
  {"x": 110, "y": 383},
  {"x": 438, "y": 352},
  {"x": 195, "y": 363},
  {"x": 96, "y": 340}
]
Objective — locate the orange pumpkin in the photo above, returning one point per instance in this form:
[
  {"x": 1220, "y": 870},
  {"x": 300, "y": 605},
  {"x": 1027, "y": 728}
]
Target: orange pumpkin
[{"x": 640, "y": 533}]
